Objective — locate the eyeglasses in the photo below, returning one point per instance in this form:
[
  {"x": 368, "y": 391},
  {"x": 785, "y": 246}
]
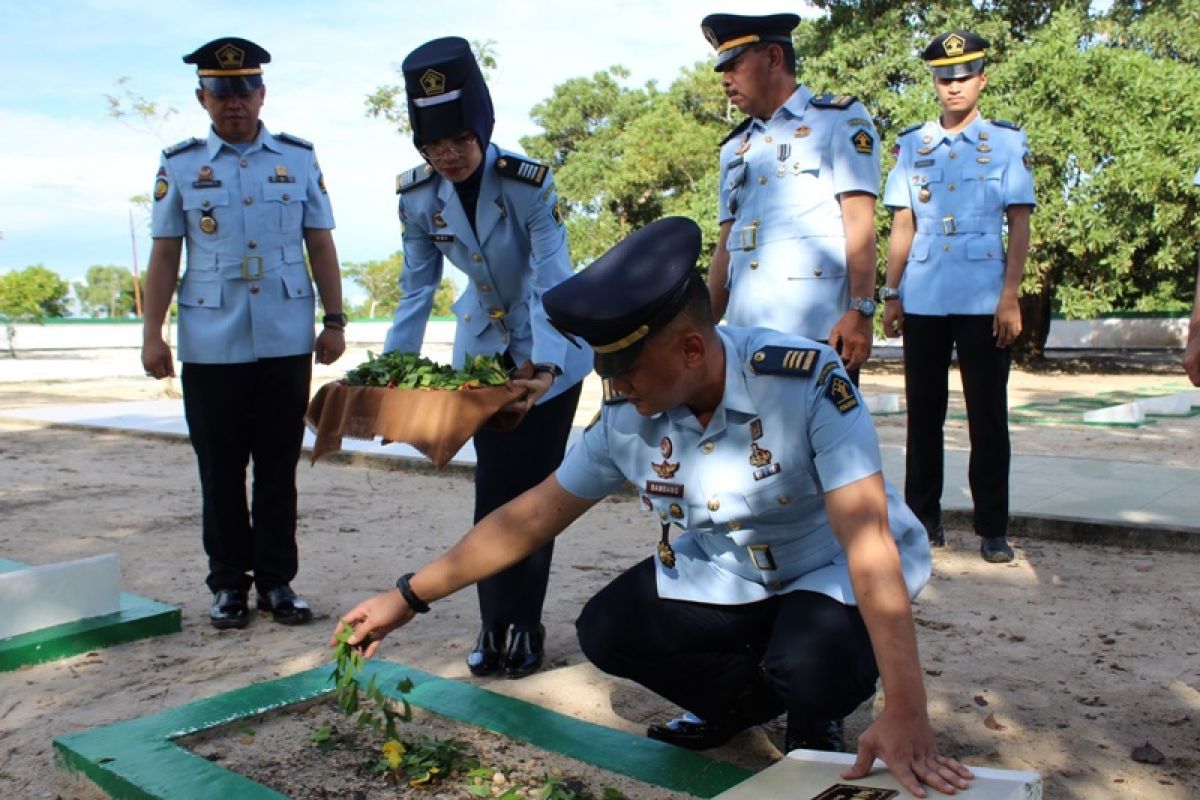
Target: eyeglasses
[{"x": 456, "y": 145}]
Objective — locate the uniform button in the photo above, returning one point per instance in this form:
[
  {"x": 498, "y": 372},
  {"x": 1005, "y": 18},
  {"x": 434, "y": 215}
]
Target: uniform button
[
  {"x": 248, "y": 200},
  {"x": 734, "y": 525},
  {"x": 254, "y": 289},
  {"x": 990, "y": 254},
  {"x": 817, "y": 271},
  {"x": 953, "y": 154},
  {"x": 951, "y": 187},
  {"x": 714, "y": 504},
  {"x": 205, "y": 204},
  {"x": 755, "y": 222},
  {"x": 200, "y": 301},
  {"x": 476, "y": 257},
  {"x": 483, "y": 287},
  {"x": 252, "y": 244},
  {"x": 287, "y": 197},
  {"x": 753, "y": 265},
  {"x": 466, "y": 317},
  {"x": 503, "y": 340},
  {"x": 767, "y": 139},
  {"x": 784, "y": 499},
  {"x": 946, "y": 248},
  {"x": 762, "y": 179},
  {"x": 245, "y": 163},
  {"x": 707, "y": 447}
]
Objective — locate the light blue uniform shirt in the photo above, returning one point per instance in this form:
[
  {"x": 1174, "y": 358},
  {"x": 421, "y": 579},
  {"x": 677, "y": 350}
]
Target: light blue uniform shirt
[
  {"x": 958, "y": 188},
  {"x": 245, "y": 293},
  {"x": 778, "y": 186},
  {"x": 748, "y": 490},
  {"x": 517, "y": 251}
]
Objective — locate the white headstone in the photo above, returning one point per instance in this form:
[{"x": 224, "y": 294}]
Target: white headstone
[{"x": 39, "y": 597}]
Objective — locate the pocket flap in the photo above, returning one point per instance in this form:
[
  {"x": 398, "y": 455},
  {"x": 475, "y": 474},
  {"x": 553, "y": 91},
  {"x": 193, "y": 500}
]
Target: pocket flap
[
  {"x": 200, "y": 294},
  {"x": 203, "y": 199},
  {"x": 282, "y": 193}
]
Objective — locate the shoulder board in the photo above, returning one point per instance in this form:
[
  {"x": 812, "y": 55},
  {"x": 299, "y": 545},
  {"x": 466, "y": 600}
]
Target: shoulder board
[
  {"x": 794, "y": 361},
  {"x": 522, "y": 169},
  {"x": 739, "y": 129},
  {"x": 914, "y": 127},
  {"x": 178, "y": 148},
  {"x": 411, "y": 178},
  {"x": 611, "y": 396},
  {"x": 1003, "y": 123},
  {"x": 296, "y": 140},
  {"x": 840, "y": 101}
]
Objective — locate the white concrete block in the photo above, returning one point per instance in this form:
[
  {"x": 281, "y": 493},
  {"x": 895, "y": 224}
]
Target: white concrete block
[
  {"x": 1126, "y": 412},
  {"x": 888, "y": 403},
  {"x": 809, "y": 775},
  {"x": 39, "y": 597},
  {"x": 1168, "y": 405}
]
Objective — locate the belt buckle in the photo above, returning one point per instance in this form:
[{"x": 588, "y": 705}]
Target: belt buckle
[
  {"x": 749, "y": 237},
  {"x": 760, "y": 555},
  {"x": 949, "y": 225},
  {"x": 246, "y": 273}
]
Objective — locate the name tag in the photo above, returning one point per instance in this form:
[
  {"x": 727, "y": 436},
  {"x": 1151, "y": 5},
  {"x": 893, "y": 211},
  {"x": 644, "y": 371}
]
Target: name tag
[
  {"x": 664, "y": 489},
  {"x": 443, "y": 238}
]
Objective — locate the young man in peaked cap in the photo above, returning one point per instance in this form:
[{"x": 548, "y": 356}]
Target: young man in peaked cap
[
  {"x": 796, "y": 199},
  {"x": 789, "y": 588},
  {"x": 247, "y": 203}
]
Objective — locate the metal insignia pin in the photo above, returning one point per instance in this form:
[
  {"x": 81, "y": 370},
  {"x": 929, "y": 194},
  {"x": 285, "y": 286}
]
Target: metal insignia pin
[
  {"x": 927, "y": 138},
  {"x": 281, "y": 170},
  {"x": 208, "y": 224},
  {"x": 984, "y": 160},
  {"x": 924, "y": 195},
  {"x": 665, "y": 447},
  {"x": 984, "y": 148},
  {"x": 206, "y": 173},
  {"x": 438, "y": 220},
  {"x": 744, "y": 146},
  {"x": 803, "y": 131}
]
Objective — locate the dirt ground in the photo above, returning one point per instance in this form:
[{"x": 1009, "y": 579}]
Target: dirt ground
[{"x": 1062, "y": 663}]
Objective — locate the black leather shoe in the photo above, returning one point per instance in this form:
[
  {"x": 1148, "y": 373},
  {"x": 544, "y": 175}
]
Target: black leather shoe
[
  {"x": 286, "y": 607},
  {"x": 937, "y": 536},
  {"x": 696, "y": 734},
  {"x": 525, "y": 651},
  {"x": 995, "y": 550},
  {"x": 484, "y": 658},
  {"x": 229, "y": 609},
  {"x": 827, "y": 736}
]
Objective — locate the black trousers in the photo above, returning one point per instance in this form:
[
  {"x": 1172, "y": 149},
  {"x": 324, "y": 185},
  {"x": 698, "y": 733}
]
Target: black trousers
[
  {"x": 235, "y": 413},
  {"x": 928, "y": 342},
  {"x": 808, "y": 653},
  {"x": 508, "y": 464}
]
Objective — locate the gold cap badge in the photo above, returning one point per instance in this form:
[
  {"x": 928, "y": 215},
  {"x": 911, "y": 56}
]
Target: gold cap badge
[
  {"x": 954, "y": 45},
  {"x": 433, "y": 82},
  {"x": 230, "y": 56}
]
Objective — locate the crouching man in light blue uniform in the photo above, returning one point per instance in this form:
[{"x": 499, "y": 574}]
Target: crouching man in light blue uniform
[{"x": 789, "y": 589}]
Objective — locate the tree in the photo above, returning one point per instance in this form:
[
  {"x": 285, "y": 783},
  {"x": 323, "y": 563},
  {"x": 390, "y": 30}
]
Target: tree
[
  {"x": 380, "y": 280},
  {"x": 388, "y": 100},
  {"x": 30, "y": 295},
  {"x": 107, "y": 292}
]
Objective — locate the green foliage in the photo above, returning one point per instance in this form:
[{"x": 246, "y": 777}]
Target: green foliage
[
  {"x": 107, "y": 292},
  {"x": 413, "y": 371},
  {"x": 374, "y": 708},
  {"x": 381, "y": 282},
  {"x": 388, "y": 100},
  {"x": 32, "y": 294}
]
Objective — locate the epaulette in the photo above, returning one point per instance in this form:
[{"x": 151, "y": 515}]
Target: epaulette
[
  {"x": 611, "y": 395},
  {"x": 914, "y": 127},
  {"x": 739, "y": 129},
  {"x": 296, "y": 140},
  {"x": 178, "y": 148},
  {"x": 413, "y": 177},
  {"x": 794, "y": 361},
  {"x": 1003, "y": 123},
  {"x": 840, "y": 101},
  {"x": 521, "y": 169}
]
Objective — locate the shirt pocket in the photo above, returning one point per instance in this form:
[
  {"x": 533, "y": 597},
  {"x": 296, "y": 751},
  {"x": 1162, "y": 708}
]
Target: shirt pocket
[
  {"x": 779, "y": 495},
  {"x": 991, "y": 188},
  {"x": 920, "y": 248},
  {"x": 201, "y": 203},
  {"x": 296, "y": 283},
  {"x": 985, "y": 248},
  {"x": 200, "y": 293},
  {"x": 471, "y": 317},
  {"x": 283, "y": 207}
]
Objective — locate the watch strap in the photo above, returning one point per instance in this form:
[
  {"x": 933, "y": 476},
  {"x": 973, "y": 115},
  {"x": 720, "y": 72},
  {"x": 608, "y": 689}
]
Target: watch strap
[{"x": 414, "y": 601}]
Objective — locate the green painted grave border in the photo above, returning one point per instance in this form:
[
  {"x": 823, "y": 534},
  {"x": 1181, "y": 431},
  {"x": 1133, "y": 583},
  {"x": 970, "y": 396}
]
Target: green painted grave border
[
  {"x": 138, "y": 618},
  {"x": 139, "y": 758}
]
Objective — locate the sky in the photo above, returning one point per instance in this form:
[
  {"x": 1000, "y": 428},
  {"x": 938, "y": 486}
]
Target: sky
[{"x": 67, "y": 169}]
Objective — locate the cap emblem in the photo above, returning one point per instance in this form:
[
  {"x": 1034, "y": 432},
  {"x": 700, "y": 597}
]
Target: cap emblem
[
  {"x": 231, "y": 56},
  {"x": 954, "y": 45},
  {"x": 433, "y": 82}
]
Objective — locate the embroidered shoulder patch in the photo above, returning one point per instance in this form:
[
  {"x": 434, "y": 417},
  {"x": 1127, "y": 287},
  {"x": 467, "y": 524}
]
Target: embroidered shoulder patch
[
  {"x": 863, "y": 142},
  {"x": 296, "y": 140},
  {"x": 825, "y": 370},
  {"x": 178, "y": 148},
  {"x": 1003, "y": 123},
  {"x": 774, "y": 360},
  {"x": 521, "y": 169},
  {"x": 414, "y": 177},
  {"x": 841, "y": 392},
  {"x": 738, "y": 130},
  {"x": 840, "y": 101}
]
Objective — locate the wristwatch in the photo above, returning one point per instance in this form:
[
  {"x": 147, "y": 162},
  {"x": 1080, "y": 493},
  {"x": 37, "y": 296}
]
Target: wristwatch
[
  {"x": 863, "y": 305},
  {"x": 554, "y": 369},
  {"x": 334, "y": 321},
  {"x": 888, "y": 293}
]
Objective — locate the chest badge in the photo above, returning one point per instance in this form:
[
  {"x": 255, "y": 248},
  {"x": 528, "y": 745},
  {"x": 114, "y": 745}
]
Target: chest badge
[
  {"x": 984, "y": 160},
  {"x": 983, "y": 135},
  {"x": 927, "y": 138},
  {"x": 438, "y": 220},
  {"x": 666, "y": 469},
  {"x": 756, "y": 429},
  {"x": 759, "y": 457},
  {"x": 206, "y": 173},
  {"x": 984, "y": 148},
  {"x": 204, "y": 178},
  {"x": 924, "y": 195},
  {"x": 924, "y": 151},
  {"x": 803, "y": 132},
  {"x": 665, "y": 447},
  {"x": 281, "y": 175},
  {"x": 207, "y": 223},
  {"x": 744, "y": 146}
]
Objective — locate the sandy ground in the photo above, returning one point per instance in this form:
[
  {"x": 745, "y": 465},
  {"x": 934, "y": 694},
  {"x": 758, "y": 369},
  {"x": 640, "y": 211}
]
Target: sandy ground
[{"x": 1062, "y": 663}]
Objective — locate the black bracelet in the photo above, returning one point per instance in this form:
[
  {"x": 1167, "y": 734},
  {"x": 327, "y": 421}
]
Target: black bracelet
[
  {"x": 415, "y": 603},
  {"x": 552, "y": 369}
]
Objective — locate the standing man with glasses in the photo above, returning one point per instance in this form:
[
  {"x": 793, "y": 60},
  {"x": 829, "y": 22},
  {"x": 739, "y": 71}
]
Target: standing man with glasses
[
  {"x": 494, "y": 215},
  {"x": 248, "y": 203},
  {"x": 798, "y": 182}
]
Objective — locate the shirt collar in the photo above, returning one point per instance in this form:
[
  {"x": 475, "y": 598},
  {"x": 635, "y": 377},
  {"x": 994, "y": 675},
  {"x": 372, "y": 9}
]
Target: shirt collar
[
  {"x": 264, "y": 141},
  {"x": 969, "y": 133},
  {"x": 793, "y": 107}
]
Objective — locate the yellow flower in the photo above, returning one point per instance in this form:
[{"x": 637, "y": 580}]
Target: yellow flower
[{"x": 393, "y": 751}]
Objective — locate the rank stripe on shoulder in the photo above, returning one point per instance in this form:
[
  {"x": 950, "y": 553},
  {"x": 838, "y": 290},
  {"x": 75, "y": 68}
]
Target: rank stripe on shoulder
[
  {"x": 774, "y": 360},
  {"x": 839, "y": 101},
  {"x": 1003, "y": 123},
  {"x": 521, "y": 169},
  {"x": 914, "y": 127},
  {"x": 742, "y": 126},
  {"x": 413, "y": 177},
  {"x": 296, "y": 140},
  {"x": 179, "y": 147}
]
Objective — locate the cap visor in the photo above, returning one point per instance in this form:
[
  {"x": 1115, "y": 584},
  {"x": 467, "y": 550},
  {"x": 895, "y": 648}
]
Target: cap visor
[
  {"x": 239, "y": 85},
  {"x": 438, "y": 122},
  {"x": 609, "y": 365},
  {"x": 724, "y": 59},
  {"x": 964, "y": 70}
]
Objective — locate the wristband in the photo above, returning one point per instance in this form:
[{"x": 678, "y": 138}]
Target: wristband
[
  {"x": 553, "y": 369},
  {"x": 414, "y": 602},
  {"x": 335, "y": 321}
]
